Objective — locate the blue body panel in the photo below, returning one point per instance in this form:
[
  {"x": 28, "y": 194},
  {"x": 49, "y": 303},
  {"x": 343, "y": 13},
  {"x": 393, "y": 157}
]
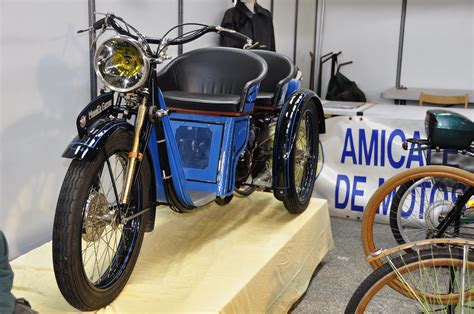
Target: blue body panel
[
  {"x": 155, "y": 161},
  {"x": 177, "y": 172},
  {"x": 292, "y": 86},
  {"x": 197, "y": 146},
  {"x": 209, "y": 162},
  {"x": 251, "y": 98}
]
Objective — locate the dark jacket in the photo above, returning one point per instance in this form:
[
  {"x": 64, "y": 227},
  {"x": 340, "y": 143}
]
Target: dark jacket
[
  {"x": 7, "y": 300},
  {"x": 258, "y": 26}
]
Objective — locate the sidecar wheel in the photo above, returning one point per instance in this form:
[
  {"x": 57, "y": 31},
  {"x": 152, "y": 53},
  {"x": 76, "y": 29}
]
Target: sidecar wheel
[
  {"x": 245, "y": 191},
  {"x": 222, "y": 201},
  {"x": 303, "y": 160},
  {"x": 94, "y": 250}
]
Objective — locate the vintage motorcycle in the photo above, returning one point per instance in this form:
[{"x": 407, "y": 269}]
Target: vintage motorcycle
[{"x": 214, "y": 120}]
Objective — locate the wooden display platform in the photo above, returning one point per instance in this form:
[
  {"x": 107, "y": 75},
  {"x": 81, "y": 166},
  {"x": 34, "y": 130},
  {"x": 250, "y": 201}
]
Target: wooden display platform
[{"x": 249, "y": 256}]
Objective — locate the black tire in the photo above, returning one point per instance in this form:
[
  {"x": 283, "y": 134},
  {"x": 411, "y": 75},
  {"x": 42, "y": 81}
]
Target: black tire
[
  {"x": 224, "y": 200},
  {"x": 375, "y": 288},
  {"x": 245, "y": 191},
  {"x": 79, "y": 220},
  {"x": 428, "y": 229},
  {"x": 301, "y": 189}
]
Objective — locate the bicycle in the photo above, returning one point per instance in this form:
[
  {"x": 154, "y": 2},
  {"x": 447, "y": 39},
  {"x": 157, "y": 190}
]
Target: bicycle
[
  {"x": 420, "y": 206},
  {"x": 431, "y": 275}
]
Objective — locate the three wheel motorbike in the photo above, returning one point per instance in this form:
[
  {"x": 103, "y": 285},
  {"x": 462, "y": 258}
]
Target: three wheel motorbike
[{"x": 212, "y": 121}]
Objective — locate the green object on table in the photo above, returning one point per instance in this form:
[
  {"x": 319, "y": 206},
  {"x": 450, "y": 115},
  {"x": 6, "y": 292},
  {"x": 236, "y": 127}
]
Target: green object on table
[{"x": 7, "y": 300}]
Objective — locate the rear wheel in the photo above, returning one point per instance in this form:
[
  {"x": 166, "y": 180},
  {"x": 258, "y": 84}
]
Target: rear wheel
[
  {"x": 95, "y": 246},
  {"x": 372, "y": 241},
  {"x": 434, "y": 199},
  {"x": 303, "y": 160}
]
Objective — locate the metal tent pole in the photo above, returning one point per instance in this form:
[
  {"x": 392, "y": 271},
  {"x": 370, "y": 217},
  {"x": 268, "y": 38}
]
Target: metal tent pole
[
  {"x": 400, "y": 43},
  {"x": 180, "y": 21},
  {"x": 320, "y": 12},
  {"x": 295, "y": 41},
  {"x": 93, "y": 77}
]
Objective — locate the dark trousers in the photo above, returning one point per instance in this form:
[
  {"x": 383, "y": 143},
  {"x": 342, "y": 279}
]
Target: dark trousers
[{"x": 7, "y": 300}]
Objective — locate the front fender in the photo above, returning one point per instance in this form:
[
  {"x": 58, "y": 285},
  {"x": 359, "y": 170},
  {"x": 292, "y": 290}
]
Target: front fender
[
  {"x": 285, "y": 134},
  {"x": 88, "y": 146}
]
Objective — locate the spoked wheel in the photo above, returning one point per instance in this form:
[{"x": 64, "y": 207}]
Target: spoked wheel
[
  {"x": 95, "y": 245},
  {"x": 385, "y": 196},
  {"x": 420, "y": 208},
  {"x": 432, "y": 280},
  {"x": 304, "y": 160}
]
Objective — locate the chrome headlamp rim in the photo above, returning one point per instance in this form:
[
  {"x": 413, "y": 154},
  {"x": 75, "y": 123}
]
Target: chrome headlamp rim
[{"x": 143, "y": 55}]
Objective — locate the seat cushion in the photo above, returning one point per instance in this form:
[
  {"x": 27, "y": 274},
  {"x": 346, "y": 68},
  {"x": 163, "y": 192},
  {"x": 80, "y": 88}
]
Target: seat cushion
[
  {"x": 200, "y": 101},
  {"x": 265, "y": 99}
]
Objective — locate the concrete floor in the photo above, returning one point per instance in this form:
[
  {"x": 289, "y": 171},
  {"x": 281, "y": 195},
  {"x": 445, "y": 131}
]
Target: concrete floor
[{"x": 341, "y": 272}]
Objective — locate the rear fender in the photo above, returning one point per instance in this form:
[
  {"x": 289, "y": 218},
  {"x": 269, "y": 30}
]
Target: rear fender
[{"x": 285, "y": 134}]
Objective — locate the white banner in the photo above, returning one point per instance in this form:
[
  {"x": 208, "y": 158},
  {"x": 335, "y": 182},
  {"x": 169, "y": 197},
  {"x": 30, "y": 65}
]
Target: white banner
[{"x": 360, "y": 154}]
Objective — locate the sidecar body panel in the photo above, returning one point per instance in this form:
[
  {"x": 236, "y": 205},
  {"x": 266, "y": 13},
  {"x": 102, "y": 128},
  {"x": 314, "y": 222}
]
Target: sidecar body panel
[{"x": 209, "y": 147}]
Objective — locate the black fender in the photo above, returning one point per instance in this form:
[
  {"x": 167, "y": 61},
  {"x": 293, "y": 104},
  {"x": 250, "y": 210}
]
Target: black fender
[
  {"x": 87, "y": 146},
  {"x": 285, "y": 134}
]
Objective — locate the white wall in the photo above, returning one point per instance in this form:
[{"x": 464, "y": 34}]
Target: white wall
[
  {"x": 284, "y": 24},
  {"x": 208, "y": 12},
  {"x": 438, "y": 50},
  {"x": 367, "y": 32},
  {"x": 151, "y": 18},
  {"x": 44, "y": 83},
  {"x": 305, "y": 38}
]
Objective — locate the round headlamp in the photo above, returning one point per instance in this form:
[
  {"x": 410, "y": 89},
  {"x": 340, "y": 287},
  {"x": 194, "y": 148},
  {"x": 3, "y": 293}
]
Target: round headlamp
[{"x": 121, "y": 64}]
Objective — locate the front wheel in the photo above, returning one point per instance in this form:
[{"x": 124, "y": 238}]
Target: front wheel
[
  {"x": 303, "y": 160},
  {"x": 432, "y": 279},
  {"x": 94, "y": 246}
]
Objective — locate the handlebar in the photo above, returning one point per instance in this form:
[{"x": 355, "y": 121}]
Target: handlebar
[
  {"x": 193, "y": 36},
  {"x": 110, "y": 21},
  {"x": 234, "y": 34}
]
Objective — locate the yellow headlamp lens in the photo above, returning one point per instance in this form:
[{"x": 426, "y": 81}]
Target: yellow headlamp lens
[
  {"x": 121, "y": 64},
  {"x": 127, "y": 61}
]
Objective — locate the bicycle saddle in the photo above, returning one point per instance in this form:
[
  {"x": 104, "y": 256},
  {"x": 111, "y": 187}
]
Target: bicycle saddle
[
  {"x": 211, "y": 79},
  {"x": 280, "y": 71}
]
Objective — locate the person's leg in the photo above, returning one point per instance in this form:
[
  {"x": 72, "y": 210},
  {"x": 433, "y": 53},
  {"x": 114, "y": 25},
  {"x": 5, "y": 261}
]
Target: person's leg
[{"x": 7, "y": 300}]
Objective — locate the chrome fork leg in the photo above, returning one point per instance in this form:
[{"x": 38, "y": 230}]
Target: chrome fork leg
[{"x": 134, "y": 155}]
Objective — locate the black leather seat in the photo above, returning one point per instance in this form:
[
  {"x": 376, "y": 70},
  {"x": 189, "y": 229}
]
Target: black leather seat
[
  {"x": 211, "y": 79},
  {"x": 280, "y": 71}
]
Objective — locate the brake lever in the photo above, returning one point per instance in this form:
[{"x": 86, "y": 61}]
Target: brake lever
[
  {"x": 249, "y": 46},
  {"x": 99, "y": 24}
]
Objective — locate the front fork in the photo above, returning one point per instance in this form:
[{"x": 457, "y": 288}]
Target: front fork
[{"x": 134, "y": 155}]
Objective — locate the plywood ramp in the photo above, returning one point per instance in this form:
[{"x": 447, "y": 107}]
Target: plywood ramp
[{"x": 249, "y": 256}]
